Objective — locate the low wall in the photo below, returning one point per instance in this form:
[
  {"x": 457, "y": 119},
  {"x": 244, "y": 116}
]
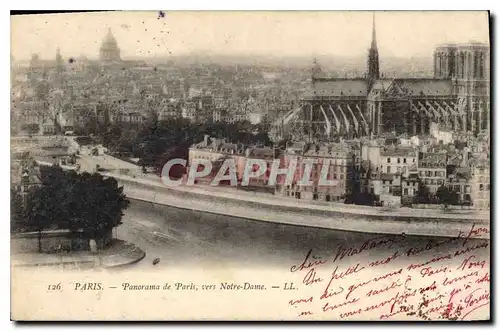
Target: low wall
[
  {"x": 439, "y": 206},
  {"x": 52, "y": 241}
]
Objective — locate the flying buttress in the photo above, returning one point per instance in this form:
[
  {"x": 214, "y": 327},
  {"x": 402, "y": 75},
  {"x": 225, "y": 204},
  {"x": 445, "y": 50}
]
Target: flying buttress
[
  {"x": 328, "y": 124},
  {"x": 346, "y": 121},
  {"x": 337, "y": 122},
  {"x": 363, "y": 118},
  {"x": 355, "y": 120}
]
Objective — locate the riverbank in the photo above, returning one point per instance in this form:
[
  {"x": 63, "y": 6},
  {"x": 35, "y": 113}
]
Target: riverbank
[
  {"x": 125, "y": 171},
  {"x": 301, "y": 213},
  {"x": 269, "y": 199}
]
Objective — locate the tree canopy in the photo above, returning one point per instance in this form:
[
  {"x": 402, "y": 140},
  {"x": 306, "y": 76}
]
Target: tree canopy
[
  {"x": 423, "y": 194},
  {"x": 154, "y": 141},
  {"x": 17, "y": 211},
  {"x": 447, "y": 197},
  {"x": 443, "y": 195}
]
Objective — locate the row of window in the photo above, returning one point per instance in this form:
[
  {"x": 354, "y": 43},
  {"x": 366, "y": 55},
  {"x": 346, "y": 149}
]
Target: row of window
[
  {"x": 387, "y": 190},
  {"x": 458, "y": 188},
  {"x": 410, "y": 191},
  {"x": 210, "y": 158},
  {"x": 316, "y": 196},
  {"x": 317, "y": 168},
  {"x": 431, "y": 173},
  {"x": 426, "y": 164},
  {"x": 399, "y": 160},
  {"x": 428, "y": 181},
  {"x": 332, "y": 161},
  {"x": 398, "y": 169},
  {"x": 312, "y": 188}
]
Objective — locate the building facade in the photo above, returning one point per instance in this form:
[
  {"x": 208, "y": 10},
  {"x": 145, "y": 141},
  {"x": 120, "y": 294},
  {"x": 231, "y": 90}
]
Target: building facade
[
  {"x": 339, "y": 161},
  {"x": 432, "y": 170}
]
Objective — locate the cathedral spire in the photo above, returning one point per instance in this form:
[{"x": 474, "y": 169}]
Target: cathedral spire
[
  {"x": 373, "y": 63},
  {"x": 374, "y": 33}
]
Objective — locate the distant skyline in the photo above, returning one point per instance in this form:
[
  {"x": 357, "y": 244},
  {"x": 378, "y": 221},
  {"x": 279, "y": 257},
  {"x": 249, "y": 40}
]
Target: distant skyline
[{"x": 279, "y": 33}]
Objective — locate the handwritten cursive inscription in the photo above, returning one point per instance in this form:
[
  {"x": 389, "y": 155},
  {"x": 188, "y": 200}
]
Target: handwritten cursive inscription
[
  {"x": 398, "y": 277},
  {"x": 309, "y": 262},
  {"x": 310, "y": 278}
]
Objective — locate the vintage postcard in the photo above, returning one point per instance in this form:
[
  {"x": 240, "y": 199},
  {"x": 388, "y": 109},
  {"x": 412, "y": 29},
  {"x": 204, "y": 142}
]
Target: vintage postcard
[{"x": 258, "y": 166}]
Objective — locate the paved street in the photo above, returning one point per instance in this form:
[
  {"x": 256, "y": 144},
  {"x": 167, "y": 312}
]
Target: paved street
[
  {"x": 88, "y": 163},
  {"x": 118, "y": 254}
]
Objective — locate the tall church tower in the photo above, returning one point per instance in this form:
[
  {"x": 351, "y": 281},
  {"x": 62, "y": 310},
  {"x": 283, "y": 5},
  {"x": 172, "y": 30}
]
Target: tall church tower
[
  {"x": 59, "y": 61},
  {"x": 316, "y": 71},
  {"x": 373, "y": 63}
]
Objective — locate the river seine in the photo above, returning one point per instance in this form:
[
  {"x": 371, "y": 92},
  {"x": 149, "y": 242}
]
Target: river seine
[{"x": 183, "y": 237}]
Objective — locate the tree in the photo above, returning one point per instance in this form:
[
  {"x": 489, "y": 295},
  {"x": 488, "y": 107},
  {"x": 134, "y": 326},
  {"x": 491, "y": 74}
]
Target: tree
[
  {"x": 17, "y": 211},
  {"x": 454, "y": 198},
  {"x": 82, "y": 203},
  {"x": 467, "y": 200},
  {"x": 41, "y": 211},
  {"x": 365, "y": 198},
  {"x": 423, "y": 194},
  {"x": 97, "y": 204},
  {"x": 154, "y": 140}
]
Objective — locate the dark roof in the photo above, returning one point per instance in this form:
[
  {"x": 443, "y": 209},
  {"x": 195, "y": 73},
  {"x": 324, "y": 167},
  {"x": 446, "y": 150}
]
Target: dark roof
[
  {"x": 433, "y": 160},
  {"x": 413, "y": 177},
  {"x": 401, "y": 151},
  {"x": 428, "y": 87},
  {"x": 463, "y": 173},
  {"x": 385, "y": 176},
  {"x": 381, "y": 84}
]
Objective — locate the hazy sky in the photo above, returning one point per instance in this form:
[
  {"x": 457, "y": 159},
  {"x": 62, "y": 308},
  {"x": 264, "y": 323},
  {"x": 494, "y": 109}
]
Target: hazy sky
[{"x": 271, "y": 33}]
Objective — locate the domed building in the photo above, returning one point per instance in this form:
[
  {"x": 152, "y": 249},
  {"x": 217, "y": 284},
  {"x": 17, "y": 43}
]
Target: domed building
[{"x": 109, "y": 51}]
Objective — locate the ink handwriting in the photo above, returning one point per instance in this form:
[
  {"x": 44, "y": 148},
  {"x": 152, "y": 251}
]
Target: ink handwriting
[{"x": 437, "y": 278}]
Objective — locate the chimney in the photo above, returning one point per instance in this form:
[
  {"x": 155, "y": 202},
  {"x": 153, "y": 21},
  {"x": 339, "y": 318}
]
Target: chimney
[{"x": 205, "y": 140}]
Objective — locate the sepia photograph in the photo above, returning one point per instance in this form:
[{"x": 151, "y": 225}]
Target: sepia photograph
[{"x": 250, "y": 166}]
